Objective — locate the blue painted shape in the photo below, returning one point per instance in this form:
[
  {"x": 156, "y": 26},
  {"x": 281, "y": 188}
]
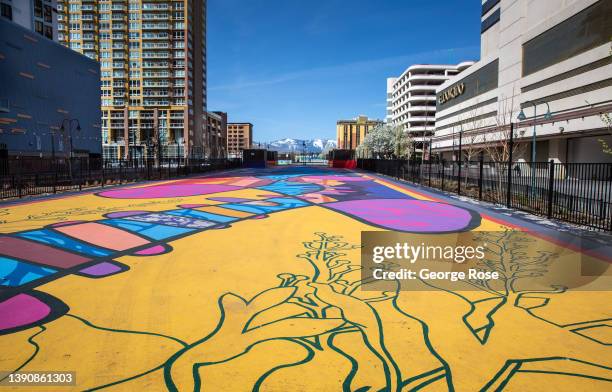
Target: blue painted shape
[
  {"x": 202, "y": 215},
  {"x": 54, "y": 238},
  {"x": 291, "y": 188},
  {"x": 16, "y": 273},
  {"x": 150, "y": 230},
  {"x": 280, "y": 176},
  {"x": 288, "y": 202},
  {"x": 283, "y": 204},
  {"x": 251, "y": 209}
]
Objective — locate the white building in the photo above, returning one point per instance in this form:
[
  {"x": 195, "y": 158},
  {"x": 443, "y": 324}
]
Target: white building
[
  {"x": 39, "y": 16},
  {"x": 389, "y": 115},
  {"x": 411, "y": 97},
  {"x": 553, "y": 53}
]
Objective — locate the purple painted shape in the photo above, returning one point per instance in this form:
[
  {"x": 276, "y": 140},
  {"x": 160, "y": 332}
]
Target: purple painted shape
[
  {"x": 101, "y": 269},
  {"x": 22, "y": 310},
  {"x": 259, "y": 216},
  {"x": 154, "y": 250},
  {"x": 169, "y": 190},
  {"x": 230, "y": 199},
  {"x": 66, "y": 223},
  {"x": 407, "y": 215},
  {"x": 337, "y": 178},
  {"x": 122, "y": 214}
]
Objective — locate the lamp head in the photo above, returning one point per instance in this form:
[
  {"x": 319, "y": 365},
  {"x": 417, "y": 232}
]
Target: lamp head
[
  {"x": 521, "y": 116},
  {"x": 78, "y": 128},
  {"x": 548, "y": 115}
]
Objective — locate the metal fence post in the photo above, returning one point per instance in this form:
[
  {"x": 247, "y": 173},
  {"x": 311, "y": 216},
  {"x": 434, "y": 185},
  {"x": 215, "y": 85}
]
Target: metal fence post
[
  {"x": 460, "y": 161},
  {"x": 397, "y": 168},
  {"x": 551, "y": 184},
  {"x": 442, "y": 169},
  {"x": 480, "y": 171},
  {"x": 54, "y": 176},
  {"x": 509, "y": 183}
]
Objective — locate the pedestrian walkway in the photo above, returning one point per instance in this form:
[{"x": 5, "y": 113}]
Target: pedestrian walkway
[{"x": 250, "y": 280}]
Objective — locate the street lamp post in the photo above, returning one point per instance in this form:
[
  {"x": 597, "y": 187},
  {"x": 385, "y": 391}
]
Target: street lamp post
[
  {"x": 78, "y": 128},
  {"x": 62, "y": 130},
  {"x": 521, "y": 116},
  {"x": 52, "y": 145}
]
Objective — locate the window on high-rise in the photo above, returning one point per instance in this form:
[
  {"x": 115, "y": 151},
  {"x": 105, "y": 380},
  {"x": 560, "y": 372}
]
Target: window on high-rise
[
  {"x": 38, "y": 8},
  {"x": 6, "y": 11},
  {"x": 48, "y": 15}
]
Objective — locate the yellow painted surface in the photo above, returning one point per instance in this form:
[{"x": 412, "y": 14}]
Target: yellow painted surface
[{"x": 220, "y": 301}]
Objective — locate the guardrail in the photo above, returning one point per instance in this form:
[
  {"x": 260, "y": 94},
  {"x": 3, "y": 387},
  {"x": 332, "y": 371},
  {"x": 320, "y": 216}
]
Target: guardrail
[
  {"x": 37, "y": 176},
  {"x": 579, "y": 193}
]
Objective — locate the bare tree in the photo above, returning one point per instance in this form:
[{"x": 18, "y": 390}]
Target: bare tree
[
  {"x": 496, "y": 143},
  {"x": 472, "y": 139}
]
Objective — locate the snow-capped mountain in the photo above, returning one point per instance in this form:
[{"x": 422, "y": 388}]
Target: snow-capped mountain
[{"x": 299, "y": 145}]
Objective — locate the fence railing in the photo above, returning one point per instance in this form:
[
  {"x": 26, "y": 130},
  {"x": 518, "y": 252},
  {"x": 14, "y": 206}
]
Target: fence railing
[
  {"x": 37, "y": 176},
  {"x": 579, "y": 193}
]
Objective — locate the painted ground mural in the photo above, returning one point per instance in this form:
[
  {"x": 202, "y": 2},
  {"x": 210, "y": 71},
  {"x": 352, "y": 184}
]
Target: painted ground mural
[{"x": 250, "y": 281}]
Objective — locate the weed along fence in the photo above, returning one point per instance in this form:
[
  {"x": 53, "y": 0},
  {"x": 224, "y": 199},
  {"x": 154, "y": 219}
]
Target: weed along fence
[
  {"x": 28, "y": 176},
  {"x": 579, "y": 193}
]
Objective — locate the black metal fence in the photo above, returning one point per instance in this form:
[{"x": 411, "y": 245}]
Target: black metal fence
[
  {"x": 579, "y": 193},
  {"x": 28, "y": 176}
]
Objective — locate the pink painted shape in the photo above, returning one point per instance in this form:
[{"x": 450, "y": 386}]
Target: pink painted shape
[
  {"x": 154, "y": 250},
  {"x": 167, "y": 190},
  {"x": 104, "y": 236},
  {"x": 22, "y": 310}
]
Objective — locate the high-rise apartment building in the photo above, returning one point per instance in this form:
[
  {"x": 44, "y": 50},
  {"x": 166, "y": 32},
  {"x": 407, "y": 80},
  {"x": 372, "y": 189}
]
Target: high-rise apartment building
[
  {"x": 411, "y": 98},
  {"x": 152, "y": 58},
  {"x": 39, "y": 16},
  {"x": 239, "y": 137}
]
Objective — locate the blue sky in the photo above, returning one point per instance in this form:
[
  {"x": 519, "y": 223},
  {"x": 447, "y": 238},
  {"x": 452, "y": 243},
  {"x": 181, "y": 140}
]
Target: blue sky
[{"x": 294, "y": 67}]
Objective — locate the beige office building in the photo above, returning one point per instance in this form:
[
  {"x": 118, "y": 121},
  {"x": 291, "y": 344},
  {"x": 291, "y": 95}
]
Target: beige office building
[
  {"x": 549, "y": 60},
  {"x": 153, "y": 71},
  {"x": 215, "y": 138},
  {"x": 350, "y": 133},
  {"x": 239, "y": 137}
]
